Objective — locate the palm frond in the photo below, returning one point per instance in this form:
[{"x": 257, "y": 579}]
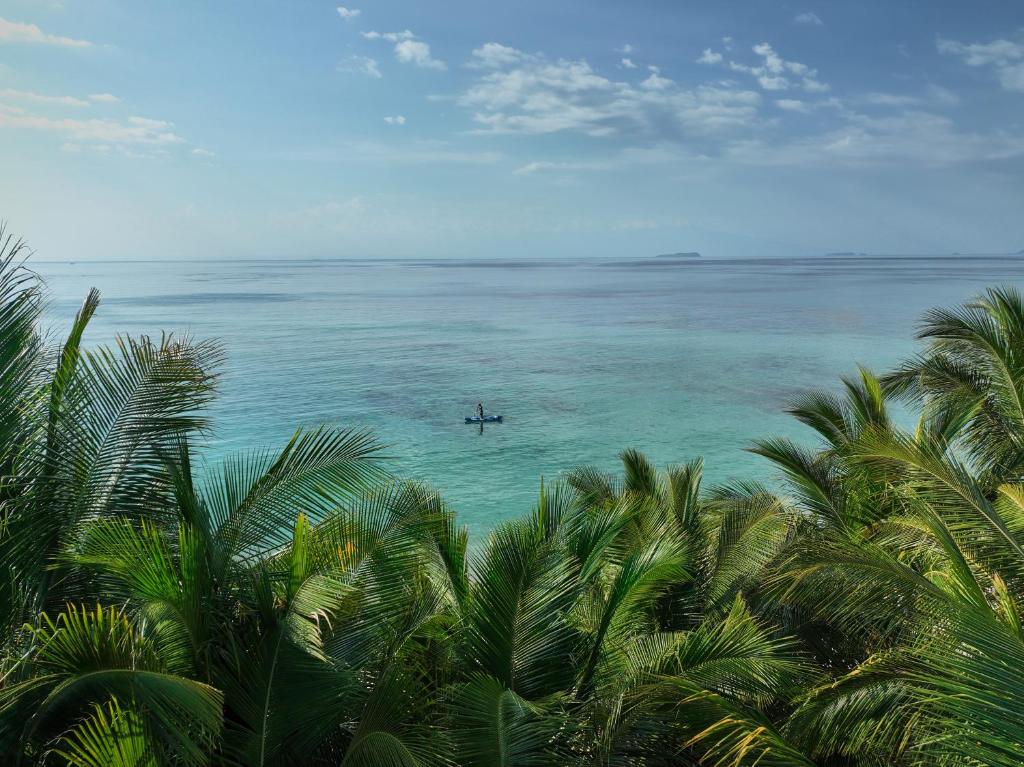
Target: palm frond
[
  {"x": 86, "y": 657},
  {"x": 517, "y": 627},
  {"x": 111, "y": 736},
  {"x": 256, "y": 497},
  {"x": 495, "y": 727}
]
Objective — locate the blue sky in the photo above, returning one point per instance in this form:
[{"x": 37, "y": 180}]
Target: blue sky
[{"x": 536, "y": 129}]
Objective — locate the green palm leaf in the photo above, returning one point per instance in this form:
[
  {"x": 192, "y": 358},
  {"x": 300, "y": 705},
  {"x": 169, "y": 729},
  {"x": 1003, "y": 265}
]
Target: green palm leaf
[
  {"x": 87, "y": 657},
  {"x": 517, "y": 627},
  {"x": 495, "y": 727},
  {"x": 257, "y": 497},
  {"x": 110, "y": 737}
]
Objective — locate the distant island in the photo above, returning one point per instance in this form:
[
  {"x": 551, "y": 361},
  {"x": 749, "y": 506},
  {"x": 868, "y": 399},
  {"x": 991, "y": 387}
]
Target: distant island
[
  {"x": 850, "y": 253},
  {"x": 691, "y": 254}
]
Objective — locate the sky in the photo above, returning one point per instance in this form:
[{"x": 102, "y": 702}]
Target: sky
[{"x": 138, "y": 129}]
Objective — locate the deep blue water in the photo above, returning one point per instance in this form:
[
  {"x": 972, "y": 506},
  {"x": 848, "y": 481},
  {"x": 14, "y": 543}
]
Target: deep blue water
[{"x": 583, "y": 358}]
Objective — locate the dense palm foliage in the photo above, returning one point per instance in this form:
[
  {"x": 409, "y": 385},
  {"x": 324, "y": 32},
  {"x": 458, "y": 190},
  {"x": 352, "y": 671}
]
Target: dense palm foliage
[{"x": 305, "y": 607}]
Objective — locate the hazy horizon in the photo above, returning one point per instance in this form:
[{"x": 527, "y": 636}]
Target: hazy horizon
[{"x": 496, "y": 259}]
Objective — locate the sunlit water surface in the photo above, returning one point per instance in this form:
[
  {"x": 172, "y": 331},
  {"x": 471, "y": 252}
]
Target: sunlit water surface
[{"x": 583, "y": 358}]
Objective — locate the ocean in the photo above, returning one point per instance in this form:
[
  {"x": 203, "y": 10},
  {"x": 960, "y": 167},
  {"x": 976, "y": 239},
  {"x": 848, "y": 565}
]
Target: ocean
[{"x": 583, "y": 358}]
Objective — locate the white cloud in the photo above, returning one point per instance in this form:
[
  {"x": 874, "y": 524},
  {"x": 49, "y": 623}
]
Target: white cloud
[
  {"x": 777, "y": 74},
  {"x": 890, "y": 99},
  {"x": 910, "y": 138},
  {"x": 200, "y": 152},
  {"x": 983, "y": 54},
  {"x": 361, "y": 64},
  {"x": 628, "y": 63},
  {"x": 417, "y": 52},
  {"x": 773, "y": 82},
  {"x": 494, "y": 56},
  {"x": 395, "y": 120},
  {"x": 408, "y": 49},
  {"x": 533, "y": 94},
  {"x": 792, "y": 105},
  {"x": 934, "y": 95},
  {"x": 393, "y": 152},
  {"x": 39, "y": 98},
  {"x": 67, "y": 101},
  {"x": 546, "y": 166},
  {"x": 348, "y": 13},
  {"x": 626, "y": 48},
  {"x": 1006, "y": 57},
  {"x": 630, "y": 157},
  {"x": 391, "y": 37},
  {"x": 133, "y": 131},
  {"x": 655, "y": 82},
  {"x": 808, "y": 17},
  {"x": 710, "y": 57},
  {"x": 16, "y": 32}
]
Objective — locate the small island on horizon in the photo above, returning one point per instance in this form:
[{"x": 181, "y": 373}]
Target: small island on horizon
[
  {"x": 687, "y": 254},
  {"x": 850, "y": 253}
]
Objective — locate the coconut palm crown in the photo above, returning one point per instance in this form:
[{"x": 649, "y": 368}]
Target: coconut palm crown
[{"x": 303, "y": 606}]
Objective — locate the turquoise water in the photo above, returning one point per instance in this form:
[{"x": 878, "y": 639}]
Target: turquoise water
[{"x": 583, "y": 358}]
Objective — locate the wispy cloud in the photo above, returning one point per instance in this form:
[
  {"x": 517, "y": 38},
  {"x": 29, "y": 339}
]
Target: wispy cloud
[
  {"x": 933, "y": 96},
  {"x": 628, "y": 63},
  {"x": 494, "y": 56},
  {"x": 13, "y": 94},
  {"x": 393, "y": 152},
  {"x": 543, "y": 166},
  {"x": 363, "y": 65},
  {"x": 417, "y": 52},
  {"x": 391, "y": 37},
  {"x": 792, "y": 105},
  {"x": 709, "y": 56},
  {"x": 42, "y": 98},
  {"x": 808, "y": 17},
  {"x": 348, "y": 13},
  {"x": 529, "y": 93},
  {"x": 910, "y": 137},
  {"x": 18, "y": 32},
  {"x": 138, "y": 131},
  {"x": 570, "y": 172},
  {"x": 395, "y": 119},
  {"x": 1006, "y": 57},
  {"x": 408, "y": 48},
  {"x": 775, "y": 73}
]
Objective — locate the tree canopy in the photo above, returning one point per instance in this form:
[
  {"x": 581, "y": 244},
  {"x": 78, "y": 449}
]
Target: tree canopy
[{"x": 306, "y": 606}]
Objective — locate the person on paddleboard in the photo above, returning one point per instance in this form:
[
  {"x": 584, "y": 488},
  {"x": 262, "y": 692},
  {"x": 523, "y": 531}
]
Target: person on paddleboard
[{"x": 480, "y": 410}]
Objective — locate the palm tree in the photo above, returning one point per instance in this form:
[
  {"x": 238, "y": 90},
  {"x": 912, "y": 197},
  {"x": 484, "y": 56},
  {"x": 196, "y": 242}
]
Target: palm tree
[
  {"x": 571, "y": 644},
  {"x": 908, "y": 564},
  {"x": 302, "y": 606},
  {"x": 99, "y": 502},
  {"x": 971, "y": 376}
]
